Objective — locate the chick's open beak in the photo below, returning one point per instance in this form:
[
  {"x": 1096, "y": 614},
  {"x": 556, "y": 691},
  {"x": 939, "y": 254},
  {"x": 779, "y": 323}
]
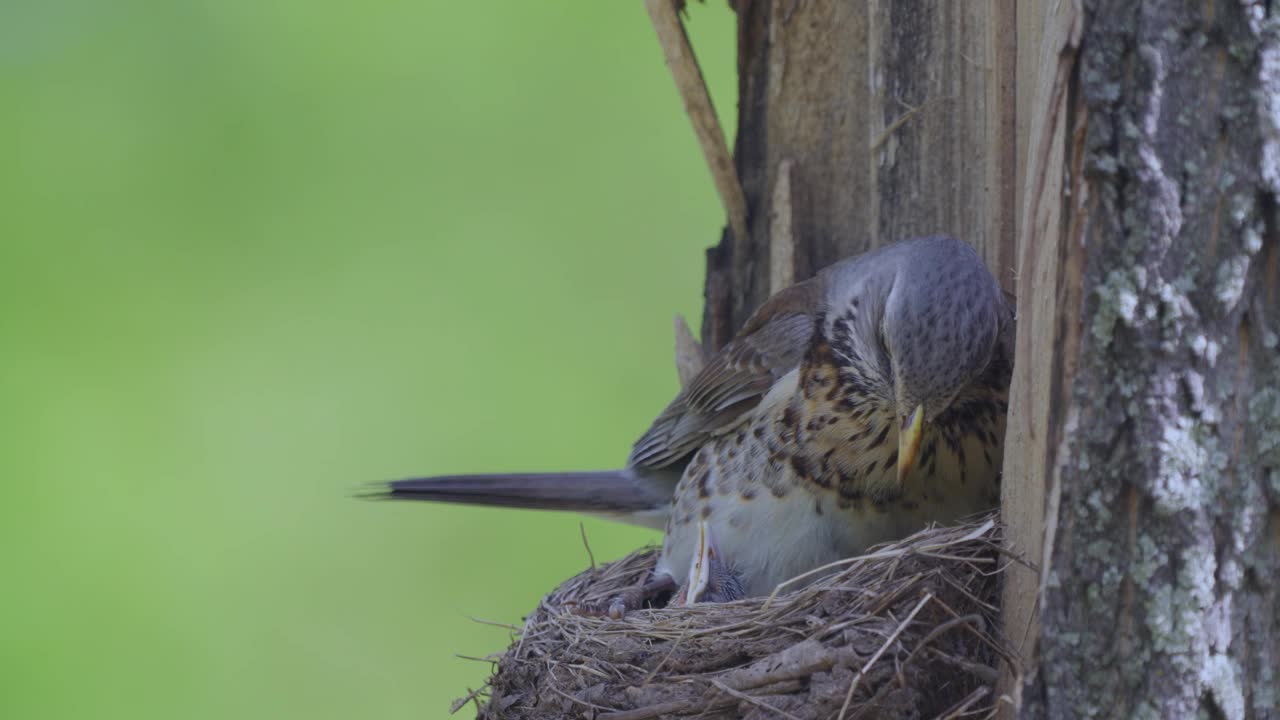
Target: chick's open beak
[
  {"x": 700, "y": 569},
  {"x": 909, "y": 437}
]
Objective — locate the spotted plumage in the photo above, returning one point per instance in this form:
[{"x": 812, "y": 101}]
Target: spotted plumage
[
  {"x": 852, "y": 408},
  {"x": 825, "y": 434}
]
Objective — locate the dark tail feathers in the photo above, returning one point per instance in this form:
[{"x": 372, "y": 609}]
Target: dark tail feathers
[{"x": 605, "y": 491}]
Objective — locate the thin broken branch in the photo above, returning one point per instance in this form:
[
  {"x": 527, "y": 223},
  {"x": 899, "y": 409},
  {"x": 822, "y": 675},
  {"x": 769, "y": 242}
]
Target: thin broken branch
[{"x": 702, "y": 113}]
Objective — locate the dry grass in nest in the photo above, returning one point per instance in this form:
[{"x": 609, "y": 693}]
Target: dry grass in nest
[{"x": 906, "y": 631}]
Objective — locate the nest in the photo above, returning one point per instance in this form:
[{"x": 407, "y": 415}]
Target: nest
[{"x": 906, "y": 631}]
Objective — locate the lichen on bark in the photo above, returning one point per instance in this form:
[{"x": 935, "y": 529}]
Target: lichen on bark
[{"x": 1160, "y": 602}]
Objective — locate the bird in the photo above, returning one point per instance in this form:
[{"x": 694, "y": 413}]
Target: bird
[
  {"x": 710, "y": 578},
  {"x": 852, "y": 408}
]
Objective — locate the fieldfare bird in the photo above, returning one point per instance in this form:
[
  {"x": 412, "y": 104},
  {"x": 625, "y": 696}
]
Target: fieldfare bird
[{"x": 853, "y": 408}]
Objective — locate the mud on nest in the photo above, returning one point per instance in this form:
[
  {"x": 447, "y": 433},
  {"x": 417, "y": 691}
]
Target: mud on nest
[{"x": 906, "y": 631}]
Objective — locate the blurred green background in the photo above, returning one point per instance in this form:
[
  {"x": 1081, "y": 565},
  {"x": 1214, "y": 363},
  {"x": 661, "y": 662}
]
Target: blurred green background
[{"x": 255, "y": 254}]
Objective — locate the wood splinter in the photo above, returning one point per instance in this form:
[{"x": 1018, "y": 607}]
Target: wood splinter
[{"x": 697, "y": 104}]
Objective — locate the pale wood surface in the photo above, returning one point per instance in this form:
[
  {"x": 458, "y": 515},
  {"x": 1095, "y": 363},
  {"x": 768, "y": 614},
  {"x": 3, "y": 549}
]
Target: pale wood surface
[{"x": 1035, "y": 397}]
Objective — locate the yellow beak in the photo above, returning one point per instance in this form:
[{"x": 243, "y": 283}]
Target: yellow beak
[
  {"x": 700, "y": 568},
  {"x": 909, "y": 443}
]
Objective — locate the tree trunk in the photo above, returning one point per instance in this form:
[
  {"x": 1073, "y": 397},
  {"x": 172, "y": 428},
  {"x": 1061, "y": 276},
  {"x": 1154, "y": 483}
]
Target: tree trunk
[
  {"x": 1124, "y": 158},
  {"x": 1163, "y": 453}
]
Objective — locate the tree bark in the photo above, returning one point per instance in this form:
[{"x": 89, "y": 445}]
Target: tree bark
[
  {"x": 1163, "y": 455},
  {"x": 1124, "y": 158}
]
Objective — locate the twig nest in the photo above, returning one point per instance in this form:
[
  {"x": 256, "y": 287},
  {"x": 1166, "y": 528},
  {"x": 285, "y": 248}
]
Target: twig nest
[{"x": 906, "y": 631}]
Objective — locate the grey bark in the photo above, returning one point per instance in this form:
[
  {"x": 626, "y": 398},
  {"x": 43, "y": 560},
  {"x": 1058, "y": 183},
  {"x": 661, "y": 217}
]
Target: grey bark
[{"x": 1160, "y": 597}]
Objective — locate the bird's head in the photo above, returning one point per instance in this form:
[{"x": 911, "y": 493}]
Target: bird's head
[
  {"x": 711, "y": 579},
  {"x": 916, "y": 322}
]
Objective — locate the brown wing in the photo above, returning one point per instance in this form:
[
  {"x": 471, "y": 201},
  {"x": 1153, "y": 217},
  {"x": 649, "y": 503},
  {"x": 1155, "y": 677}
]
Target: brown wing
[{"x": 773, "y": 341}]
